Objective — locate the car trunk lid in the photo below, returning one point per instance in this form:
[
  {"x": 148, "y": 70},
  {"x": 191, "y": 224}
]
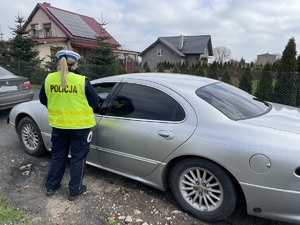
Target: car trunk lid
[{"x": 281, "y": 117}]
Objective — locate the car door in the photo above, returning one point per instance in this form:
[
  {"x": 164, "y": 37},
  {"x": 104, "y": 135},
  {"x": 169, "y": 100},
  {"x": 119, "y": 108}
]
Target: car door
[
  {"x": 103, "y": 90},
  {"x": 141, "y": 126},
  {"x": 46, "y": 131}
]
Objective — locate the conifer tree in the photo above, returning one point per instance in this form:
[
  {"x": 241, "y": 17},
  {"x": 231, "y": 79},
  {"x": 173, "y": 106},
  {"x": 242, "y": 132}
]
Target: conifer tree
[
  {"x": 161, "y": 68},
  {"x": 147, "y": 69},
  {"x": 226, "y": 77},
  {"x": 21, "y": 47},
  {"x": 145, "y": 65},
  {"x": 102, "y": 56},
  {"x": 21, "y": 54},
  {"x": 213, "y": 71},
  {"x": 187, "y": 70},
  {"x": 115, "y": 69},
  {"x": 200, "y": 71},
  {"x": 285, "y": 90},
  {"x": 265, "y": 89},
  {"x": 246, "y": 80},
  {"x": 175, "y": 69},
  {"x": 243, "y": 62},
  {"x": 3, "y": 50},
  {"x": 298, "y": 83}
]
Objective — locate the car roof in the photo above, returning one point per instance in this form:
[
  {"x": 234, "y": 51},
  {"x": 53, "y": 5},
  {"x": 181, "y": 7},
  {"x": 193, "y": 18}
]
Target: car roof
[{"x": 166, "y": 79}]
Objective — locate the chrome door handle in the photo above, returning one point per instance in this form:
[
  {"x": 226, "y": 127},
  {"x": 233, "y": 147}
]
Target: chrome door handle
[{"x": 168, "y": 135}]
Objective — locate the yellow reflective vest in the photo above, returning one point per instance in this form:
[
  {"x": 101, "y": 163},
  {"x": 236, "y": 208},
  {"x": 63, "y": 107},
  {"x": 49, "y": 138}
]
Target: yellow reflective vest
[{"x": 68, "y": 108}]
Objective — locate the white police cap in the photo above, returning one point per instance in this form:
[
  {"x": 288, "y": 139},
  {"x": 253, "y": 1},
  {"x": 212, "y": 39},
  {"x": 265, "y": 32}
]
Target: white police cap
[{"x": 68, "y": 54}]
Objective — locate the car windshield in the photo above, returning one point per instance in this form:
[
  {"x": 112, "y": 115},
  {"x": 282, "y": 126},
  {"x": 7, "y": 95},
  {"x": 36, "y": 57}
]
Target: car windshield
[{"x": 233, "y": 102}]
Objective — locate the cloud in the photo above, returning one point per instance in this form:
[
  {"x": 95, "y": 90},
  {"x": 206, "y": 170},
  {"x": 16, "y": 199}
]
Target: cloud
[{"x": 248, "y": 28}]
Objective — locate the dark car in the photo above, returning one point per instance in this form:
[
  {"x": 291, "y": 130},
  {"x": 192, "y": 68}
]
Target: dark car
[{"x": 13, "y": 89}]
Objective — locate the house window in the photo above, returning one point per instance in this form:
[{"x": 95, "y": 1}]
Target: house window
[
  {"x": 160, "y": 52},
  {"x": 53, "y": 51},
  {"x": 48, "y": 32},
  {"x": 34, "y": 32}
]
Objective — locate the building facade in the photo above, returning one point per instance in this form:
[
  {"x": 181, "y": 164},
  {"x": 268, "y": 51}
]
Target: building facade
[
  {"x": 178, "y": 49},
  {"x": 56, "y": 29},
  {"x": 263, "y": 59}
]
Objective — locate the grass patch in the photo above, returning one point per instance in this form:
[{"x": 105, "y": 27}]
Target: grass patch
[
  {"x": 35, "y": 85},
  {"x": 10, "y": 215}
]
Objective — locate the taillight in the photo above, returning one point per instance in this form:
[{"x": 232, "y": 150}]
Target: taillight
[{"x": 26, "y": 85}]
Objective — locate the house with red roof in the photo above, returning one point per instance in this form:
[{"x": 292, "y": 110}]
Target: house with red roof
[{"x": 53, "y": 27}]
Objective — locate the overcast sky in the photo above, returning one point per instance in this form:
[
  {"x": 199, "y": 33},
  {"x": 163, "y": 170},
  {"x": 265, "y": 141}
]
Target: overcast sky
[{"x": 247, "y": 28}]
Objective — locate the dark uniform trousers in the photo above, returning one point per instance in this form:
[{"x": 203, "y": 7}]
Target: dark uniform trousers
[{"x": 63, "y": 141}]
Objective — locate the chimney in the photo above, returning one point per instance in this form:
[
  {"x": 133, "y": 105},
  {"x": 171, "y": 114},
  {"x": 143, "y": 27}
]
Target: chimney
[
  {"x": 46, "y": 3},
  {"x": 181, "y": 38}
]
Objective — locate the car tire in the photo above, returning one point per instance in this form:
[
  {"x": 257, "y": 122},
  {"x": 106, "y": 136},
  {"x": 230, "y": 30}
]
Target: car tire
[
  {"x": 203, "y": 189},
  {"x": 30, "y": 137}
]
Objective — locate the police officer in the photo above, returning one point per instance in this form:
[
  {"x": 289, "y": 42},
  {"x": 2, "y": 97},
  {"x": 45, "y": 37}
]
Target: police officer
[{"x": 69, "y": 98}]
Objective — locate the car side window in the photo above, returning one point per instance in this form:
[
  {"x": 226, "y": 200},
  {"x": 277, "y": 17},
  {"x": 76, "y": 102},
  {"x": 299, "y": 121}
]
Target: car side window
[
  {"x": 103, "y": 89},
  {"x": 144, "y": 102}
]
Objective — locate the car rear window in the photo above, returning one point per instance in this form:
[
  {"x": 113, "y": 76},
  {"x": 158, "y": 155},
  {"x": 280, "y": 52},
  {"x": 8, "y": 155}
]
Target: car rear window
[
  {"x": 233, "y": 102},
  {"x": 4, "y": 72}
]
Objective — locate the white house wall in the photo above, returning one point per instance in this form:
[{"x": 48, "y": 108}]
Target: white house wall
[
  {"x": 41, "y": 18},
  {"x": 44, "y": 49}
]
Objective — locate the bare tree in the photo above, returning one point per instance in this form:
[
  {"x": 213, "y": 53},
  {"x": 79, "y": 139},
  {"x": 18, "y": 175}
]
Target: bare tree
[{"x": 222, "y": 53}]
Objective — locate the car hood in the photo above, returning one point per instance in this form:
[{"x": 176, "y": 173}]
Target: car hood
[{"x": 281, "y": 117}]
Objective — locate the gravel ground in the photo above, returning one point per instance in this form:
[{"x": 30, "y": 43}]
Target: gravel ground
[{"x": 110, "y": 199}]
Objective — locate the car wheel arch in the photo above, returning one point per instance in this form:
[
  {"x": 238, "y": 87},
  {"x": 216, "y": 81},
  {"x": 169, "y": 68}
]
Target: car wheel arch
[
  {"x": 30, "y": 138},
  {"x": 171, "y": 164},
  {"x": 21, "y": 116}
]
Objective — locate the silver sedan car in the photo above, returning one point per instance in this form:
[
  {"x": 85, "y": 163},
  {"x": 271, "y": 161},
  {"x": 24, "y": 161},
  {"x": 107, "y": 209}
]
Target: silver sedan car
[{"x": 212, "y": 144}]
